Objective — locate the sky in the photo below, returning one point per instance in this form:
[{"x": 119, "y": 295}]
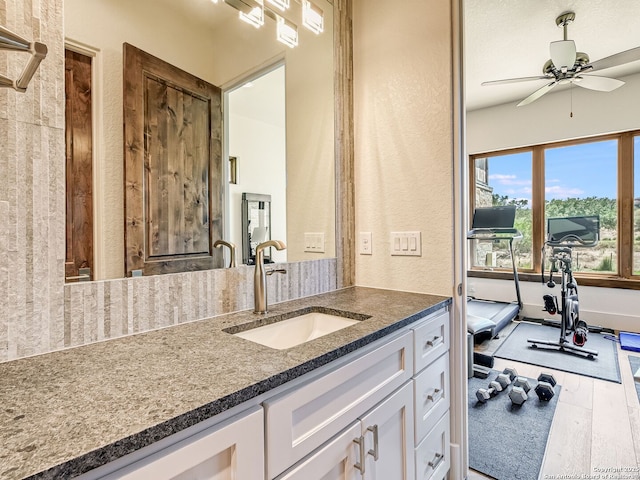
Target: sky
[{"x": 577, "y": 171}]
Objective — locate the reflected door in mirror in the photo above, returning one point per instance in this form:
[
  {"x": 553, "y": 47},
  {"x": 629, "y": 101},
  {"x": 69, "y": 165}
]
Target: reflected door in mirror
[
  {"x": 78, "y": 264},
  {"x": 173, "y": 167}
]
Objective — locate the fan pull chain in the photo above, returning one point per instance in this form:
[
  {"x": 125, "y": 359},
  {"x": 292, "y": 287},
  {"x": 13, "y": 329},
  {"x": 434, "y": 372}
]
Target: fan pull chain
[{"x": 571, "y": 96}]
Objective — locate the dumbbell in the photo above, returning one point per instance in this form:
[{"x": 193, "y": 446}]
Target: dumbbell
[
  {"x": 501, "y": 382},
  {"x": 512, "y": 373},
  {"x": 544, "y": 389},
  {"x": 518, "y": 394}
]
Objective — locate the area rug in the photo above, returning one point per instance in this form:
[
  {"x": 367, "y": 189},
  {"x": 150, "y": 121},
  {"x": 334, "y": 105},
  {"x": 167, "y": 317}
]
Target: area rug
[
  {"x": 635, "y": 365},
  {"x": 508, "y": 442},
  {"x": 604, "y": 366}
]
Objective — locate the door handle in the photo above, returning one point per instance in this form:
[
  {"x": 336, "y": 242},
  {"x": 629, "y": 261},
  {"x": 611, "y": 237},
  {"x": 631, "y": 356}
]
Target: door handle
[
  {"x": 437, "y": 340},
  {"x": 435, "y": 395},
  {"x": 436, "y": 461},
  {"x": 360, "y": 465},
  {"x": 374, "y": 452}
]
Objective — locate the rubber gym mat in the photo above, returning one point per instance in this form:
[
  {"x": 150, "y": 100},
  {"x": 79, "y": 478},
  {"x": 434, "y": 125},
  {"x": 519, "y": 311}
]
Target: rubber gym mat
[
  {"x": 508, "y": 442},
  {"x": 604, "y": 366}
]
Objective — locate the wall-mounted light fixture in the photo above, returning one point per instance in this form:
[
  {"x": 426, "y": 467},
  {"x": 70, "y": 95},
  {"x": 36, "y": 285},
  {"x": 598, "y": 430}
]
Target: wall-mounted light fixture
[
  {"x": 287, "y": 32},
  {"x": 255, "y": 16},
  {"x": 280, "y": 4},
  {"x": 312, "y": 17},
  {"x": 254, "y": 11}
]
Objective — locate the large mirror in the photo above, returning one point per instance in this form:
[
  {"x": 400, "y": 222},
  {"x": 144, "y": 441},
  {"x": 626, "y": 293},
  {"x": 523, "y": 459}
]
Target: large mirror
[{"x": 209, "y": 41}]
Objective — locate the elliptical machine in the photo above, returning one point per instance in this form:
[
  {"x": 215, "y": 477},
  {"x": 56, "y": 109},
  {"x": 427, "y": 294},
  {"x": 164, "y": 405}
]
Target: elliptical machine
[{"x": 562, "y": 235}]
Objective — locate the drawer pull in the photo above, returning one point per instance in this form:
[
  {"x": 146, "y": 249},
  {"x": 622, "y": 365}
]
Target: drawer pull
[
  {"x": 436, "y": 461},
  {"x": 437, "y": 340},
  {"x": 360, "y": 465},
  {"x": 374, "y": 453},
  {"x": 435, "y": 396}
]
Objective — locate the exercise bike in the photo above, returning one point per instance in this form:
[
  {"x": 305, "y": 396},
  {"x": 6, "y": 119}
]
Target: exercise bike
[{"x": 562, "y": 235}]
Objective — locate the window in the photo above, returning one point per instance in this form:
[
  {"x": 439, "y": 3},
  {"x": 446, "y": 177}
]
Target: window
[
  {"x": 596, "y": 176},
  {"x": 582, "y": 180},
  {"x": 505, "y": 180}
]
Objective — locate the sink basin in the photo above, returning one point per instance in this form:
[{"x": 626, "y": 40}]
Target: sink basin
[{"x": 295, "y": 328}]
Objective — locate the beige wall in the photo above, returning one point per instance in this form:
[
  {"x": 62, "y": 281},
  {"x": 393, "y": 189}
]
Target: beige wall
[{"x": 403, "y": 140}]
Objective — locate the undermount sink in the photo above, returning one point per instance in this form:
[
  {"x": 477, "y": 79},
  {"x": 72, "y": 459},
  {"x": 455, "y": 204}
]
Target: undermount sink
[{"x": 295, "y": 328}]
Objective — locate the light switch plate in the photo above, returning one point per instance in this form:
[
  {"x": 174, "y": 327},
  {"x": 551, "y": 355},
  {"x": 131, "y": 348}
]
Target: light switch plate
[
  {"x": 406, "y": 244},
  {"x": 314, "y": 242},
  {"x": 364, "y": 243}
]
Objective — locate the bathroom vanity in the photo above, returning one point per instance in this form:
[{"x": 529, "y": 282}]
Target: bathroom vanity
[{"x": 370, "y": 400}]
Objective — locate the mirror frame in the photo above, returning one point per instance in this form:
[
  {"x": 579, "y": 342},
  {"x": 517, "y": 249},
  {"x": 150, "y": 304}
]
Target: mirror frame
[{"x": 343, "y": 141}]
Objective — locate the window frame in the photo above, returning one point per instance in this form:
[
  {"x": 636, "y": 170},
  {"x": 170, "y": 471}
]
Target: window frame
[{"x": 624, "y": 277}]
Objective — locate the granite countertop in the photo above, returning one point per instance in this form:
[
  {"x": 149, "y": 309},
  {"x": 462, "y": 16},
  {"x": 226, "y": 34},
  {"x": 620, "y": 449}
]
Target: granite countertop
[{"x": 66, "y": 412}]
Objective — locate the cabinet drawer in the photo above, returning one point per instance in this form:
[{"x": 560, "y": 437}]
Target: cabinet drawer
[
  {"x": 431, "y": 339},
  {"x": 432, "y": 455},
  {"x": 299, "y": 421},
  {"x": 431, "y": 395},
  {"x": 232, "y": 449}
]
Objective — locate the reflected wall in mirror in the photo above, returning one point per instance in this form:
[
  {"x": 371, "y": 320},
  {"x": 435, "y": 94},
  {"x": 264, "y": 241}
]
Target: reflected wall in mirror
[
  {"x": 208, "y": 41},
  {"x": 256, "y": 116}
]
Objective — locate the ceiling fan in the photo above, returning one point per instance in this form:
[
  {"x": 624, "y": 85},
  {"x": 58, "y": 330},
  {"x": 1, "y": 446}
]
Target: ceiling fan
[{"x": 570, "y": 66}]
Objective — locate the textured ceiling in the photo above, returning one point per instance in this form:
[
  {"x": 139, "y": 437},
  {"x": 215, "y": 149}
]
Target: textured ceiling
[{"x": 510, "y": 38}]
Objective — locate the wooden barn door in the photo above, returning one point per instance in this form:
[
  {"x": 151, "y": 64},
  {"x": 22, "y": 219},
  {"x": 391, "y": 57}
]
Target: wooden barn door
[
  {"x": 173, "y": 167},
  {"x": 79, "y": 163}
]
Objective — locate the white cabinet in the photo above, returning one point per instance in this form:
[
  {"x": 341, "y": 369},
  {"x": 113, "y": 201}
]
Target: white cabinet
[
  {"x": 432, "y": 397},
  {"x": 387, "y": 433},
  {"x": 377, "y": 447},
  {"x": 230, "y": 450},
  {"x": 336, "y": 460},
  {"x": 303, "y": 419},
  {"x": 432, "y": 454}
]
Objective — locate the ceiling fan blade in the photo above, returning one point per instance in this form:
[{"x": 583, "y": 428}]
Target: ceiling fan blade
[
  {"x": 563, "y": 53},
  {"x": 537, "y": 94},
  {"x": 602, "y": 84},
  {"x": 620, "y": 58},
  {"x": 513, "y": 80}
]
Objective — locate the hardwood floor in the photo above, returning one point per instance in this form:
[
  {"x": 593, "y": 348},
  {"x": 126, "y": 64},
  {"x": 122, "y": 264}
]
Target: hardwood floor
[{"x": 596, "y": 425}]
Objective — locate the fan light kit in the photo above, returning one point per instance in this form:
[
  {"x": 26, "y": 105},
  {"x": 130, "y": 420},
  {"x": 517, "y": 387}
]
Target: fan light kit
[{"x": 567, "y": 65}]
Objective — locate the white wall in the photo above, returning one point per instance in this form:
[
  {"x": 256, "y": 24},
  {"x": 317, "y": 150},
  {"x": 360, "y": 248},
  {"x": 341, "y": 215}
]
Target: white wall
[
  {"x": 548, "y": 120},
  {"x": 403, "y": 141}
]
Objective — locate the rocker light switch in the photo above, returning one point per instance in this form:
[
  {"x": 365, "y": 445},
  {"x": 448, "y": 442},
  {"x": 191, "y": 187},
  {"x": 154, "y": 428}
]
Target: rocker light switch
[{"x": 406, "y": 244}]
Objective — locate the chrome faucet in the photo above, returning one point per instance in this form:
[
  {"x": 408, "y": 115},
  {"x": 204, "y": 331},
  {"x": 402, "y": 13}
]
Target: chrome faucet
[
  {"x": 260, "y": 275},
  {"x": 232, "y": 250}
]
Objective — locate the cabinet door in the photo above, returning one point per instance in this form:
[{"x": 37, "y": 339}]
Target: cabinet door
[
  {"x": 303, "y": 419},
  {"x": 388, "y": 433},
  {"x": 229, "y": 451},
  {"x": 336, "y": 460}
]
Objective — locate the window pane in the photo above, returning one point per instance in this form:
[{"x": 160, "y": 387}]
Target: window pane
[
  {"x": 636, "y": 206},
  {"x": 582, "y": 180},
  {"x": 504, "y": 180}
]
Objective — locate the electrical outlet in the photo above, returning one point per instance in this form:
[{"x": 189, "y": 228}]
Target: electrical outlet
[{"x": 364, "y": 243}]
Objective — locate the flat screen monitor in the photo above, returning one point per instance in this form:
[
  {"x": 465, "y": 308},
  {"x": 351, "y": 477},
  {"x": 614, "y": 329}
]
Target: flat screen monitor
[
  {"x": 494, "y": 217},
  {"x": 576, "y": 230}
]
